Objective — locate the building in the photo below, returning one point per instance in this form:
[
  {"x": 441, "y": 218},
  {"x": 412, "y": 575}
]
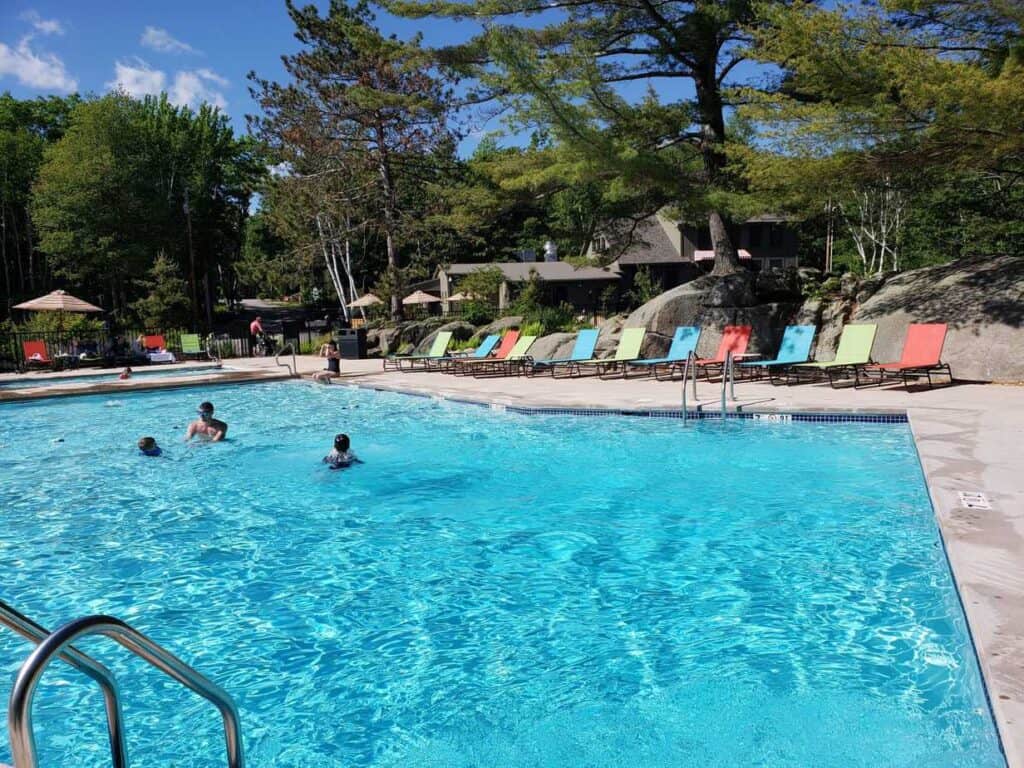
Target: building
[{"x": 579, "y": 286}]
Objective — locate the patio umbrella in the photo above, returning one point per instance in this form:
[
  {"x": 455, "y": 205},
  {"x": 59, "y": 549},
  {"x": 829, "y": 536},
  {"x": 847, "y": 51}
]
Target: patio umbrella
[
  {"x": 58, "y": 301},
  {"x": 419, "y": 297},
  {"x": 368, "y": 300},
  {"x": 460, "y": 296}
]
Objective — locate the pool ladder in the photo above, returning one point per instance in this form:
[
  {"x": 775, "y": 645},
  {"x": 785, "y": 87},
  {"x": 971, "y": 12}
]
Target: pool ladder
[
  {"x": 728, "y": 380},
  {"x": 57, "y": 644},
  {"x": 293, "y": 369}
]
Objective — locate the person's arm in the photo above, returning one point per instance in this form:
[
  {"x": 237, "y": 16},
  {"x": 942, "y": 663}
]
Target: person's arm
[
  {"x": 221, "y": 431},
  {"x": 190, "y": 433}
]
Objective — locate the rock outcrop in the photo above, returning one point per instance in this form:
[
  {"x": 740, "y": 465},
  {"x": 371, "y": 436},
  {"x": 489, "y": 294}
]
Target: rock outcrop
[
  {"x": 500, "y": 325},
  {"x": 459, "y": 329}
]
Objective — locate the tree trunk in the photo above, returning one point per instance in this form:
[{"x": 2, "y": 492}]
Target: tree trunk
[
  {"x": 712, "y": 137},
  {"x": 388, "y": 190}
]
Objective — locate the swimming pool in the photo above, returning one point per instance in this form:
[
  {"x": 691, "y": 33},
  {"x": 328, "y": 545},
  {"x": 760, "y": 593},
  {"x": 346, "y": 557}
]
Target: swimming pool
[
  {"x": 491, "y": 589},
  {"x": 145, "y": 374}
]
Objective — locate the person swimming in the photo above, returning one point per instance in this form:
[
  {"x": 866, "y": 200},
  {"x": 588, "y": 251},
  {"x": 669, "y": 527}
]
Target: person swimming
[
  {"x": 126, "y": 373},
  {"x": 341, "y": 454},
  {"x": 206, "y": 426},
  {"x": 149, "y": 447}
]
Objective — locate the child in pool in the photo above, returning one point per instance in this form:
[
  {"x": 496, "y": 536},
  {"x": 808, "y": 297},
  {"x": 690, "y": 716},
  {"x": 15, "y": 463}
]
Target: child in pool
[
  {"x": 341, "y": 455},
  {"x": 126, "y": 373},
  {"x": 149, "y": 447}
]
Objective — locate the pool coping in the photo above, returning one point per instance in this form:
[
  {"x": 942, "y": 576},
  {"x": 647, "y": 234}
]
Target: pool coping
[{"x": 960, "y": 448}]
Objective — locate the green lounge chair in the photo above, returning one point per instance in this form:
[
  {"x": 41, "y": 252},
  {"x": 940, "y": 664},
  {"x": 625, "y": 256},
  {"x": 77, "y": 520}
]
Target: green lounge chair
[
  {"x": 627, "y": 350},
  {"x": 437, "y": 351},
  {"x": 190, "y": 345},
  {"x": 513, "y": 362},
  {"x": 583, "y": 349},
  {"x": 854, "y": 350}
]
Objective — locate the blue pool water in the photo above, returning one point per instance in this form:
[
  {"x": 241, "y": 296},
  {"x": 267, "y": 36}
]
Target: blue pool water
[
  {"x": 490, "y": 589},
  {"x": 32, "y": 380}
]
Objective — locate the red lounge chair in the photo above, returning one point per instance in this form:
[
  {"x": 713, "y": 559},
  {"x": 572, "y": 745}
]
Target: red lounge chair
[
  {"x": 734, "y": 339},
  {"x": 922, "y": 356},
  {"x": 35, "y": 354},
  {"x": 156, "y": 343},
  {"x": 473, "y": 364}
]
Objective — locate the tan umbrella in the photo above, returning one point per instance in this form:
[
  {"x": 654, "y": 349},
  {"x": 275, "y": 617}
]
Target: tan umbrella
[
  {"x": 419, "y": 297},
  {"x": 368, "y": 300},
  {"x": 58, "y": 301},
  {"x": 460, "y": 296}
]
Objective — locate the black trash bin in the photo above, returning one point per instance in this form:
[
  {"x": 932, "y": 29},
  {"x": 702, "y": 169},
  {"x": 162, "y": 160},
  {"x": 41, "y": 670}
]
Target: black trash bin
[{"x": 352, "y": 343}]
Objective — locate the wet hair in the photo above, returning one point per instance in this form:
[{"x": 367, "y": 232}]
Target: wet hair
[
  {"x": 147, "y": 443},
  {"x": 332, "y": 344},
  {"x": 206, "y": 406},
  {"x": 341, "y": 442}
]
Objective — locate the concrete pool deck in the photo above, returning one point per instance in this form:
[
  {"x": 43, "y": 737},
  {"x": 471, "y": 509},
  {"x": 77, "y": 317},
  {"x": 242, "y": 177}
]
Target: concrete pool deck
[{"x": 970, "y": 438}]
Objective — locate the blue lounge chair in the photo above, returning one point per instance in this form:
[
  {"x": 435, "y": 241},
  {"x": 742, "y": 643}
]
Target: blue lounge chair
[
  {"x": 583, "y": 349},
  {"x": 794, "y": 349},
  {"x": 684, "y": 341}
]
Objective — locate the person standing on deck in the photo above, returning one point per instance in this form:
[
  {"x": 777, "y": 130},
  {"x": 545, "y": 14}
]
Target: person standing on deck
[{"x": 255, "y": 331}]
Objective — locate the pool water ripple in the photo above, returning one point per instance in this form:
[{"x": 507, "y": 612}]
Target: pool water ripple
[{"x": 491, "y": 589}]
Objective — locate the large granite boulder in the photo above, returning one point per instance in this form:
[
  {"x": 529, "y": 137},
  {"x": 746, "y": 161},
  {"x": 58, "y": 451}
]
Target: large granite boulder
[
  {"x": 980, "y": 298},
  {"x": 610, "y": 331},
  {"x": 732, "y": 291},
  {"x": 500, "y": 325},
  {"x": 681, "y": 305},
  {"x": 552, "y": 346},
  {"x": 389, "y": 339}
]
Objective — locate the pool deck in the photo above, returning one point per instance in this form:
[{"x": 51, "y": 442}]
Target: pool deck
[{"x": 970, "y": 438}]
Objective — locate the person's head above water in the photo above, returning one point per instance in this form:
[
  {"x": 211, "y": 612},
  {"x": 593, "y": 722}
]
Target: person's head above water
[
  {"x": 341, "y": 443},
  {"x": 148, "y": 446},
  {"x": 205, "y": 410}
]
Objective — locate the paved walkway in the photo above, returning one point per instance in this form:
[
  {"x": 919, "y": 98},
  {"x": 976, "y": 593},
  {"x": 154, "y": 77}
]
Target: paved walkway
[{"x": 970, "y": 439}]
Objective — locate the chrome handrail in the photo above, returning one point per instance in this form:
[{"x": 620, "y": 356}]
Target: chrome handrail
[
  {"x": 35, "y": 633},
  {"x": 727, "y": 380},
  {"x": 19, "y": 715},
  {"x": 690, "y": 357},
  {"x": 294, "y": 367}
]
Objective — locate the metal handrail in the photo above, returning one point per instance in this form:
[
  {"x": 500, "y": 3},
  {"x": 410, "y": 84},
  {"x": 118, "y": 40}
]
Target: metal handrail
[
  {"x": 728, "y": 379},
  {"x": 293, "y": 369},
  {"x": 690, "y": 358},
  {"x": 19, "y": 715},
  {"x": 35, "y": 633}
]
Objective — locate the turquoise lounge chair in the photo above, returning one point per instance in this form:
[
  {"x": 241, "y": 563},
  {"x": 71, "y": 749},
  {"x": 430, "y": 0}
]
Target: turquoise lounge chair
[
  {"x": 684, "y": 341},
  {"x": 583, "y": 349},
  {"x": 795, "y": 348}
]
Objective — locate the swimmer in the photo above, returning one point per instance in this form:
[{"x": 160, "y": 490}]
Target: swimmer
[
  {"x": 149, "y": 447},
  {"x": 207, "y": 427},
  {"x": 126, "y": 373},
  {"x": 341, "y": 455}
]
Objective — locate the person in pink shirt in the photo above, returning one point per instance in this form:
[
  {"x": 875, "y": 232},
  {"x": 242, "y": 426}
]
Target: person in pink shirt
[{"x": 255, "y": 331}]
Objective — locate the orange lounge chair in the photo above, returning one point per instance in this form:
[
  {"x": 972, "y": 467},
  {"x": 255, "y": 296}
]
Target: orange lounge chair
[
  {"x": 468, "y": 365},
  {"x": 735, "y": 339},
  {"x": 155, "y": 343},
  {"x": 35, "y": 354},
  {"x": 921, "y": 357}
]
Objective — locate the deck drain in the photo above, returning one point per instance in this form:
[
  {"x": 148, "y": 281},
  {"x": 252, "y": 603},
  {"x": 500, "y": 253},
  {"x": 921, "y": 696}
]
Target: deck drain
[{"x": 974, "y": 500}]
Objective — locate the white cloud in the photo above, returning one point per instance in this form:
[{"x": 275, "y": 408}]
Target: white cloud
[
  {"x": 162, "y": 40},
  {"x": 188, "y": 88},
  {"x": 137, "y": 79},
  {"x": 36, "y": 70},
  {"x": 45, "y": 26}
]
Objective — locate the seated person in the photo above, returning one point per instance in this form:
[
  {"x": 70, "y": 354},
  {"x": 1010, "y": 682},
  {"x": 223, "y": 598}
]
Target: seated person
[
  {"x": 149, "y": 447},
  {"x": 341, "y": 455},
  {"x": 333, "y": 369},
  {"x": 206, "y": 427}
]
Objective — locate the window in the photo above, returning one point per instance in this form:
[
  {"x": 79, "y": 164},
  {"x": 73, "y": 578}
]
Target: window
[
  {"x": 704, "y": 239},
  {"x": 776, "y": 234},
  {"x": 754, "y": 234}
]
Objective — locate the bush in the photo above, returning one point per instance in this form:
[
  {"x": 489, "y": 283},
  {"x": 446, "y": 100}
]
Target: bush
[{"x": 478, "y": 313}]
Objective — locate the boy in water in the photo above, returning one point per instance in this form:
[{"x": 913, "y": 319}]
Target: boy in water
[
  {"x": 341, "y": 455},
  {"x": 149, "y": 447},
  {"x": 206, "y": 426}
]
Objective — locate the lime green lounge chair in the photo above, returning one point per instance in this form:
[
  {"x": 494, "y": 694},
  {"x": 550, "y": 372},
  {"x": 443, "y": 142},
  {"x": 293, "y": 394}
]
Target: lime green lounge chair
[
  {"x": 409, "y": 362},
  {"x": 627, "y": 350},
  {"x": 512, "y": 363},
  {"x": 190, "y": 345},
  {"x": 854, "y": 350}
]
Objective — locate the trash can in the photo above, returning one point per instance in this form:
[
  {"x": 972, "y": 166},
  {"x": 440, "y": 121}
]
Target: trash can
[{"x": 352, "y": 343}]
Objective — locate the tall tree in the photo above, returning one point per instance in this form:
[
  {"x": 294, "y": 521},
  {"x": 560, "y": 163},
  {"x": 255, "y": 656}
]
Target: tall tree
[
  {"x": 371, "y": 103},
  {"x": 569, "y": 74}
]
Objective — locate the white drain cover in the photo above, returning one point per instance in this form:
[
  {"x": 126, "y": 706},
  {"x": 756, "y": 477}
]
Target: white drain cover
[{"x": 974, "y": 500}]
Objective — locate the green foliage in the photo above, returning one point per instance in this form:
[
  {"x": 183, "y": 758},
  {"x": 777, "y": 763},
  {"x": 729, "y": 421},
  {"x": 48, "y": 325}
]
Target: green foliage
[
  {"x": 478, "y": 313},
  {"x": 166, "y": 305},
  {"x": 66, "y": 322},
  {"x": 645, "y": 287}
]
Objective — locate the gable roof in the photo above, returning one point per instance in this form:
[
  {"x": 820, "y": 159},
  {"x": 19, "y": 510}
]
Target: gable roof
[
  {"x": 652, "y": 244},
  {"x": 549, "y": 271}
]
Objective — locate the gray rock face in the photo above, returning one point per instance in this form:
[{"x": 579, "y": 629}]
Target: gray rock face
[
  {"x": 389, "y": 340},
  {"x": 980, "y": 298},
  {"x": 500, "y": 325},
  {"x": 777, "y": 285},
  {"x": 610, "y": 333},
  {"x": 553, "y": 346},
  {"x": 460, "y": 330},
  {"x": 732, "y": 291}
]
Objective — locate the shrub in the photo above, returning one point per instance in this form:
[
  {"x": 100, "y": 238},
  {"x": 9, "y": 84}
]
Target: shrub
[{"x": 478, "y": 313}]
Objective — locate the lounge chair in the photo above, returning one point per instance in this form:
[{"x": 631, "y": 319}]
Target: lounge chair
[
  {"x": 921, "y": 357},
  {"x": 628, "y": 349},
  {"x": 190, "y": 345},
  {"x": 465, "y": 364},
  {"x": 583, "y": 349},
  {"x": 436, "y": 352},
  {"x": 854, "y": 350},
  {"x": 35, "y": 354},
  {"x": 156, "y": 349},
  {"x": 513, "y": 363},
  {"x": 795, "y": 348},
  {"x": 734, "y": 339},
  {"x": 684, "y": 341}
]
